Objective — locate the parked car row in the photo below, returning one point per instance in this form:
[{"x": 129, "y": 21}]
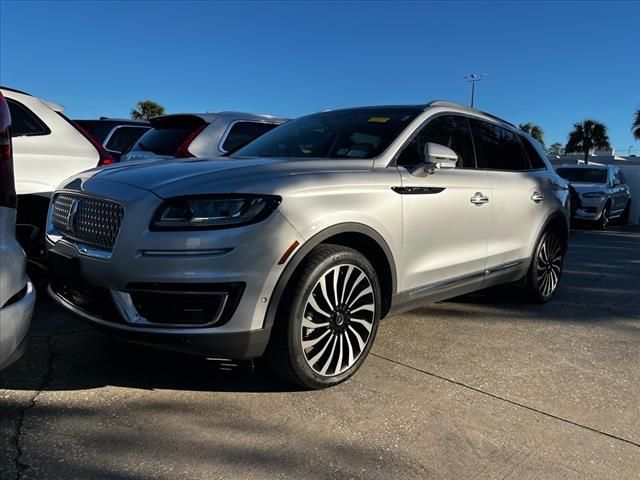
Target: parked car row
[
  {"x": 240, "y": 235},
  {"x": 49, "y": 147}
]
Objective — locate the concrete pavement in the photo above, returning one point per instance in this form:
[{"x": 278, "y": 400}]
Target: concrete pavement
[{"x": 478, "y": 387}]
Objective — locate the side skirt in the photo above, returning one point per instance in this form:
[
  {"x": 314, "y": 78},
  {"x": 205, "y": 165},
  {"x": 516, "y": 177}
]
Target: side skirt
[{"x": 436, "y": 292}]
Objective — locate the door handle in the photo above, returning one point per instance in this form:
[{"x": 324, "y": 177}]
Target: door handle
[
  {"x": 537, "y": 197},
  {"x": 479, "y": 199}
]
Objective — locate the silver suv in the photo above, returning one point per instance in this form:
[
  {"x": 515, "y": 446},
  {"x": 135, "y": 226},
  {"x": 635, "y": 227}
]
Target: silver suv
[
  {"x": 199, "y": 135},
  {"x": 296, "y": 245},
  {"x": 603, "y": 193}
]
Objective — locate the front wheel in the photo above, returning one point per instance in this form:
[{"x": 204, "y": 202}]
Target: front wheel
[
  {"x": 329, "y": 318},
  {"x": 544, "y": 273},
  {"x": 604, "y": 217}
]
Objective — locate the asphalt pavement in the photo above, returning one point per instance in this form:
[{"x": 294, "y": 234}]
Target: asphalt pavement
[{"x": 478, "y": 387}]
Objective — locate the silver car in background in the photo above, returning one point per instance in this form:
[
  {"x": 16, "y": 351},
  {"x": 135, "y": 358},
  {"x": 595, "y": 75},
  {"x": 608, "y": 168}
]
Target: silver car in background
[
  {"x": 296, "y": 245},
  {"x": 199, "y": 135},
  {"x": 604, "y": 195},
  {"x": 17, "y": 295}
]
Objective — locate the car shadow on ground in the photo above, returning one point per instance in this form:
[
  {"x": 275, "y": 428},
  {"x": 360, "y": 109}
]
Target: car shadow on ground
[{"x": 86, "y": 359}]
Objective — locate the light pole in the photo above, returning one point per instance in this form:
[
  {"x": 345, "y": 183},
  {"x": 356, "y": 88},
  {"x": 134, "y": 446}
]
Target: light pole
[{"x": 473, "y": 78}]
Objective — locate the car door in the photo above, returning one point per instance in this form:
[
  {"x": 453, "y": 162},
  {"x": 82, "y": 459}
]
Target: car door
[
  {"x": 618, "y": 192},
  {"x": 446, "y": 213},
  {"x": 521, "y": 196}
]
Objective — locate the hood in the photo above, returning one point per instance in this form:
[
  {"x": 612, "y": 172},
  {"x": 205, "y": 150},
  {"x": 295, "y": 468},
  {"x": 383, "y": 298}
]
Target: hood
[
  {"x": 589, "y": 187},
  {"x": 168, "y": 178}
]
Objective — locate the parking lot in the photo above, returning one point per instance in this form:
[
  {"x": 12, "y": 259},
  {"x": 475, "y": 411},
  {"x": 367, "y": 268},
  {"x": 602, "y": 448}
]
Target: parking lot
[{"x": 478, "y": 387}]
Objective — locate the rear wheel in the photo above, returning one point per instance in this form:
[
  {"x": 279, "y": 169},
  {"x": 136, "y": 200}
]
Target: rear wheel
[
  {"x": 329, "y": 320},
  {"x": 544, "y": 273}
]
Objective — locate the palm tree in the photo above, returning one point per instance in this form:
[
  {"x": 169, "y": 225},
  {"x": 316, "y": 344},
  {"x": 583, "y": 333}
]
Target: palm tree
[
  {"x": 534, "y": 130},
  {"x": 586, "y": 136},
  {"x": 145, "y": 109},
  {"x": 635, "y": 126},
  {"x": 555, "y": 149}
]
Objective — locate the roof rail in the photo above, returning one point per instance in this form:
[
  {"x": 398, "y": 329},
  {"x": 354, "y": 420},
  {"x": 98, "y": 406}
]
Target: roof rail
[
  {"x": 15, "y": 90},
  {"x": 445, "y": 103}
]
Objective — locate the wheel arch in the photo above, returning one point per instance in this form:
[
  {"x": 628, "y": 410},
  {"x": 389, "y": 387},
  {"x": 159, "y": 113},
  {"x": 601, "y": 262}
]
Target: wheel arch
[
  {"x": 358, "y": 236},
  {"x": 559, "y": 223}
]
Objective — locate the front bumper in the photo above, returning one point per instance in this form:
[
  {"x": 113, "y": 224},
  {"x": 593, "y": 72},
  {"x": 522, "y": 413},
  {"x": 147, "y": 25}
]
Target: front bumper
[
  {"x": 237, "y": 345},
  {"x": 14, "y": 326},
  {"x": 182, "y": 262},
  {"x": 590, "y": 209}
]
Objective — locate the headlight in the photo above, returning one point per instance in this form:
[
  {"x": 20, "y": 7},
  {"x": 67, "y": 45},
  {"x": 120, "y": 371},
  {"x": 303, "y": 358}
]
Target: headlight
[
  {"x": 593, "y": 194},
  {"x": 211, "y": 212}
]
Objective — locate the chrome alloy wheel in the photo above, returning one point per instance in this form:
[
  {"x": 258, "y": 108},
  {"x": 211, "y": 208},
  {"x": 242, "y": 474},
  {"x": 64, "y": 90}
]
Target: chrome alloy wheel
[
  {"x": 549, "y": 264},
  {"x": 338, "y": 320}
]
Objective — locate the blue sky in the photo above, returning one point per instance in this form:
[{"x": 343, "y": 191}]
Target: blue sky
[{"x": 547, "y": 63}]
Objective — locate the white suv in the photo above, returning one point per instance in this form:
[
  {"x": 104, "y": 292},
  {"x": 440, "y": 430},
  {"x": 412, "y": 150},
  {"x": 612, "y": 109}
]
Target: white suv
[{"x": 48, "y": 148}]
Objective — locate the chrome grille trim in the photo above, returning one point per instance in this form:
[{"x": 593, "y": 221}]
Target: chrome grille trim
[{"x": 91, "y": 221}]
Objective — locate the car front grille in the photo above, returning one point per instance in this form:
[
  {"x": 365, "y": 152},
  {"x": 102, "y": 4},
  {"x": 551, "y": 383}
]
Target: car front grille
[{"x": 91, "y": 221}]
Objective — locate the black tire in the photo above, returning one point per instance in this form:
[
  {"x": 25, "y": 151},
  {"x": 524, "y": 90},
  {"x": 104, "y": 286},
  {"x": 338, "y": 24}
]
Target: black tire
[
  {"x": 327, "y": 360},
  {"x": 603, "y": 222},
  {"x": 543, "y": 276}
]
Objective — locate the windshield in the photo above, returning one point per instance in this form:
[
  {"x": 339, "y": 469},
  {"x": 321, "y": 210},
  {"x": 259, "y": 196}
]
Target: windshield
[
  {"x": 583, "y": 175},
  {"x": 356, "y": 133}
]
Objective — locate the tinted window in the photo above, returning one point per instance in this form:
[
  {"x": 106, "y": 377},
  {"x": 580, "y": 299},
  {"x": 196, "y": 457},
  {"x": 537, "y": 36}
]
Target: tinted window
[
  {"x": 242, "y": 133},
  {"x": 24, "y": 122},
  {"x": 123, "y": 137},
  {"x": 162, "y": 141},
  {"x": 497, "y": 148},
  {"x": 97, "y": 129},
  {"x": 535, "y": 159},
  {"x": 449, "y": 130},
  {"x": 583, "y": 175},
  {"x": 168, "y": 134},
  {"x": 356, "y": 133}
]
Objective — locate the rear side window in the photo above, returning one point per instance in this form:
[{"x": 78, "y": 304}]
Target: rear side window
[
  {"x": 242, "y": 133},
  {"x": 168, "y": 134},
  {"x": 24, "y": 122},
  {"x": 497, "y": 148},
  {"x": 97, "y": 129},
  {"x": 537, "y": 163},
  {"x": 123, "y": 137},
  {"x": 449, "y": 130}
]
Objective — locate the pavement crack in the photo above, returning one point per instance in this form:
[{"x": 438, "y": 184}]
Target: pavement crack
[
  {"x": 512, "y": 402},
  {"x": 22, "y": 467}
]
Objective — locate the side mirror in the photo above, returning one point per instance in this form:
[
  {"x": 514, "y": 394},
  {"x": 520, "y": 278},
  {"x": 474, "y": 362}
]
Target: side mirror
[{"x": 439, "y": 156}]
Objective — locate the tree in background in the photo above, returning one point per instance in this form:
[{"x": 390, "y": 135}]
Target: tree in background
[
  {"x": 145, "y": 109},
  {"x": 635, "y": 126},
  {"x": 555, "y": 149},
  {"x": 534, "y": 130},
  {"x": 586, "y": 136}
]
